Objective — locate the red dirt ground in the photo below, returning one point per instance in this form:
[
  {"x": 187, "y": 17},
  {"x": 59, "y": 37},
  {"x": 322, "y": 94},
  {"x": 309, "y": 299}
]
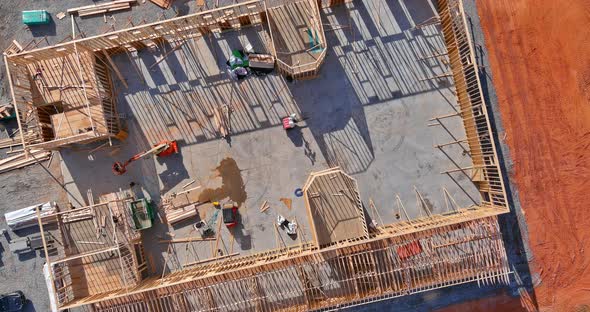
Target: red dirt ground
[
  {"x": 500, "y": 302},
  {"x": 540, "y": 61}
]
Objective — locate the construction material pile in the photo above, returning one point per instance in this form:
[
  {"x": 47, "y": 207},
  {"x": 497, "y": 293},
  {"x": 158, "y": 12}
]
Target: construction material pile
[
  {"x": 101, "y": 8},
  {"x": 21, "y": 160}
]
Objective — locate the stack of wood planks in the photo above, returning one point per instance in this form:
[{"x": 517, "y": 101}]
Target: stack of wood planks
[
  {"x": 78, "y": 215},
  {"x": 164, "y": 4},
  {"x": 10, "y": 142},
  {"x": 101, "y": 8},
  {"x": 182, "y": 205},
  {"x": 20, "y": 161}
]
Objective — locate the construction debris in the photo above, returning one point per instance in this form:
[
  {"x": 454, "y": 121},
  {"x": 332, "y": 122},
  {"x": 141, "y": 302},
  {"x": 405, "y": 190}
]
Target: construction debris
[{"x": 264, "y": 206}]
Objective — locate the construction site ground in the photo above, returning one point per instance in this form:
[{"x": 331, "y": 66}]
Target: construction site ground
[
  {"x": 541, "y": 72},
  {"x": 367, "y": 112}
]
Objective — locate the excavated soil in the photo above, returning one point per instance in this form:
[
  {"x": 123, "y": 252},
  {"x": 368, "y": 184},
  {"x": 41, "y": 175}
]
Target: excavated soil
[{"x": 540, "y": 61}]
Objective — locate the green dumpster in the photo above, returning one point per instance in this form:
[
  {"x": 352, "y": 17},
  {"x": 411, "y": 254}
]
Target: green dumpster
[{"x": 37, "y": 17}]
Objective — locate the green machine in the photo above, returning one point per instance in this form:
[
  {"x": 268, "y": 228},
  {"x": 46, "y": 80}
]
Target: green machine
[
  {"x": 37, "y": 17},
  {"x": 143, "y": 213}
]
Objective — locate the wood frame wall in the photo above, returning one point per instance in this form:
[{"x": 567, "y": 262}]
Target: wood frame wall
[
  {"x": 332, "y": 198},
  {"x": 473, "y": 109},
  {"x": 102, "y": 46},
  {"x": 356, "y": 273},
  {"x": 308, "y": 70}
]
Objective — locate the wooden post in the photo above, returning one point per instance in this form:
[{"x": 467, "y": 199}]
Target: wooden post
[
  {"x": 47, "y": 261},
  {"x": 115, "y": 69},
  {"x": 81, "y": 77}
]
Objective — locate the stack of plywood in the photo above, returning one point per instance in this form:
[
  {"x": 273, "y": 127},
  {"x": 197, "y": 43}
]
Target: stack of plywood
[{"x": 106, "y": 7}]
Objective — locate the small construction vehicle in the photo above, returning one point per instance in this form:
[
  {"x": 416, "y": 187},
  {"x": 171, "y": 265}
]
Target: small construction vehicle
[
  {"x": 230, "y": 214},
  {"x": 143, "y": 213},
  {"x": 162, "y": 149}
]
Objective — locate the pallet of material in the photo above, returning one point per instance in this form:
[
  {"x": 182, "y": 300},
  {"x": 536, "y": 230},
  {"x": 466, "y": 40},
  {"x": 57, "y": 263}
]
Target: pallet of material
[
  {"x": 20, "y": 161},
  {"x": 261, "y": 61},
  {"x": 27, "y": 217},
  {"x": 78, "y": 215},
  {"x": 102, "y": 7}
]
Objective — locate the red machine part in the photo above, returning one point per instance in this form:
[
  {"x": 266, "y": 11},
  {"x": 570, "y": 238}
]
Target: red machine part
[{"x": 162, "y": 149}]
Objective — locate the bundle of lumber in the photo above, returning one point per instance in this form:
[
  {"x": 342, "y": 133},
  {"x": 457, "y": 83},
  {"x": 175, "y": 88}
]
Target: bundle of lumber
[
  {"x": 10, "y": 142},
  {"x": 101, "y": 8},
  {"x": 13, "y": 48},
  {"x": 176, "y": 215},
  {"x": 20, "y": 160},
  {"x": 182, "y": 205},
  {"x": 78, "y": 215},
  {"x": 5, "y": 110},
  {"x": 164, "y": 4}
]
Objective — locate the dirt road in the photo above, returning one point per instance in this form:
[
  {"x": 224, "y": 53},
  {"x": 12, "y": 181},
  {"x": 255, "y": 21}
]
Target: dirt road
[{"x": 540, "y": 61}]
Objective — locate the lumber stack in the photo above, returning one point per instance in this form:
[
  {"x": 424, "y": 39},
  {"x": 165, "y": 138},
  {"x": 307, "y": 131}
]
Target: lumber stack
[
  {"x": 10, "y": 142},
  {"x": 20, "y": 161},
  {"x": 182, "y": 205},
  {"x": 78, "y": 215},
  {"x": 176, "y": 215},
  {"x": 164, "y": 4},
  {"x": 102, "y": 8}
]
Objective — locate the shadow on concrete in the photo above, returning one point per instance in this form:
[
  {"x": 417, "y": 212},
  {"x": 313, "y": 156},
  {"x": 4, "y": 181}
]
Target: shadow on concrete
[
  {"x": 379, "y": 63},
  {"x": 174, "y": 173},
  {"x": 29, "y": 307},
  {"x": 44, "y": 30},
  {"x": 242, "y": 236},
  {"x": 181, "y": 7}
]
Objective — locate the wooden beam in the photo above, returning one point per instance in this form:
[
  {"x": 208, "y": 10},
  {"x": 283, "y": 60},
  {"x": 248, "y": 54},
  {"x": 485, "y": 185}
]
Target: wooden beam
[
  {"x": 115, "y": 69},
  {"x": 168, "y": 53},
  {"x": 212, "y": 259},
  {"x": 186, "y": 240}
]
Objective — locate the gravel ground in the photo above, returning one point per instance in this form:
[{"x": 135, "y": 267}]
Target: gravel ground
[{"x": 19, "y": 189}]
